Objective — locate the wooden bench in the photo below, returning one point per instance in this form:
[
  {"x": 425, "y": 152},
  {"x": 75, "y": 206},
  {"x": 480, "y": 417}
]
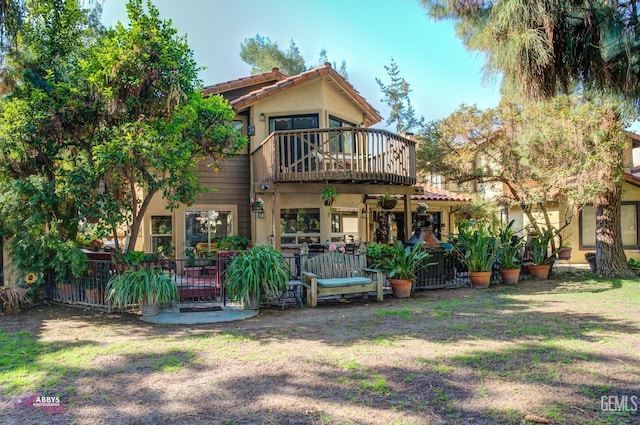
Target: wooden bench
[{"x": 334, "y": 273}]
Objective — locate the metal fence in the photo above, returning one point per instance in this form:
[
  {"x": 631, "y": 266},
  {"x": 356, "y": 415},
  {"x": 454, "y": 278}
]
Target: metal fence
[{"x": 200, "y": 281}]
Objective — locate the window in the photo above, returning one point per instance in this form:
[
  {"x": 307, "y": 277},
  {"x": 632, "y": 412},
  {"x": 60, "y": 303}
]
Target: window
[
  {"x": 161, "y": 233},
  {"x": 344, "y": 225},
  {"x": 628, "y": 221},
  {"x": 296, "y": 152},
  {"x": 340, "y": 142},
  {"x": 293, "y": 122},
  {"x": 206, "y": 226},
  {"x": 299, "y": 225}
]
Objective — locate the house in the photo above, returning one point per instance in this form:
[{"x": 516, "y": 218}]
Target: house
[
  {"x": 306, "y": 132},
  {"x": 579, "y": 234}
]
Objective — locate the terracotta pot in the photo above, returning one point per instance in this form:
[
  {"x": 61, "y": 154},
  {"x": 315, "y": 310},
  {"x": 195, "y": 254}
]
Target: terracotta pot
[
  {"x": 401, "y": 288},
  {"x": 480, "y": 279},
  {"x": 540, "y": 271},
  {"x": 193, "y": 271},
  {"x": 65, "y": 291},
  {"x": 94, "y": 295},
  {"x": 510, "y": 276},
  {"x": 564, "y": 253}
]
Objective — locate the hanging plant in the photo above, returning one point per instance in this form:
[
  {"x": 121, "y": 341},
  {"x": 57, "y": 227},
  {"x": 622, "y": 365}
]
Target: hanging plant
[
  {"x": 388, "y": 201},
  {"x": 329, "y": 195}
]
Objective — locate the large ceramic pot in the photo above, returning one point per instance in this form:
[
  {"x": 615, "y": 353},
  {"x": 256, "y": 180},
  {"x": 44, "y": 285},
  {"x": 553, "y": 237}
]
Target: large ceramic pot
[
  {"x": 480, "y": 279},
  {"x": 540, "y": 271},
  {"x": 401, "y": 288},
  {"x": 510, "y": 276}
]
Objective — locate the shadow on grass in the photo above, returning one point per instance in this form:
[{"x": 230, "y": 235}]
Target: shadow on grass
[{"x": 529, "y": 332}]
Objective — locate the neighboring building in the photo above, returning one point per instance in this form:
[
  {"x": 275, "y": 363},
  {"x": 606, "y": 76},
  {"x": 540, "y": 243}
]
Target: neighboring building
[
  {"x": 306, "y": 132},
  {"x": 580, "y": 233}
]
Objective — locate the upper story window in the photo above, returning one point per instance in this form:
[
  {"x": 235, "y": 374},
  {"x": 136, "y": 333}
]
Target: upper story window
[
  {"x": 340, "y": 142},
  {"x": 293, "y": 122}
]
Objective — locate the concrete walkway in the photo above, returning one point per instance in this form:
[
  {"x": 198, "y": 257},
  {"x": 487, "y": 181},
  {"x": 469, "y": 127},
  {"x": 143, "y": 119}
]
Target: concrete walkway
[{"x": 173, "y": 316}]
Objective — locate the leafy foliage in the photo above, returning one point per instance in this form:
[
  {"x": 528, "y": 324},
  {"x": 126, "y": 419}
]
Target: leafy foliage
[
  {"x": 263, "y": 55},
  {"x": 545, "y": 48},
  {"x": 148, "y": 286},
  {"x": 476, "y": 246},
  {"x": 510, "y": 247},
  {"x": 258, "y": 270},
  {"x": 396, "y": 96},
  {"x": 403, "y": 262}
]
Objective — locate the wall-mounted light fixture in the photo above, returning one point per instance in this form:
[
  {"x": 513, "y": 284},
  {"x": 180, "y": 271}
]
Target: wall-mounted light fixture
[
  {"x": 365, "y": 213},
  {"x": 261, "y": 117},
  {"x": 260, "y": 214}
]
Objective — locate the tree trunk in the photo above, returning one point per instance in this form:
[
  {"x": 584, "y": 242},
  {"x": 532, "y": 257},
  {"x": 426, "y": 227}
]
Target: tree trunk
[{"x": 611, "y": 260}]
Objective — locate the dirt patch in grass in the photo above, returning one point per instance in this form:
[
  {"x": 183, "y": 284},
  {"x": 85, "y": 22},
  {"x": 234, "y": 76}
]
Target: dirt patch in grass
[{"x": 542, "y": 350}]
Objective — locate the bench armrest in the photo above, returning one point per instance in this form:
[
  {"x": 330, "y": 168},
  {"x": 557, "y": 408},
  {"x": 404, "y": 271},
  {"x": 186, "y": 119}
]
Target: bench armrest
[
  {"x": 367, "y": 269},
  {"x": 309, "y": 275}
]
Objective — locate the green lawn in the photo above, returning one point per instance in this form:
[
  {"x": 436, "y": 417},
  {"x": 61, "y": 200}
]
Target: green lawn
[{"x": 507, "y": 355}]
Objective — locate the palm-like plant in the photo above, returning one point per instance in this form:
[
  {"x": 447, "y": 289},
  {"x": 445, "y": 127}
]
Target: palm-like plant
[
  {"x": 475, "y": 246},
  {"x": 144, "y": 286},
  {"x": 510, "y": 246},
  {"x": 403, "y": 262},
  {"x": 258, "y": 270}
]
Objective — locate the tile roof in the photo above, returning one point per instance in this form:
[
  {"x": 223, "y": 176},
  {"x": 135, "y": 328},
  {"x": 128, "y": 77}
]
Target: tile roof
[
  {"x": 430, "y": 194},
  {"x": 282, "y": 82},
  {"x": 267, "y": 77}
]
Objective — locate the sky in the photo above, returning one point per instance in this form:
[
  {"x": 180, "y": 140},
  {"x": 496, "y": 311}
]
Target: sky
[{"x": 366, "y": 33}]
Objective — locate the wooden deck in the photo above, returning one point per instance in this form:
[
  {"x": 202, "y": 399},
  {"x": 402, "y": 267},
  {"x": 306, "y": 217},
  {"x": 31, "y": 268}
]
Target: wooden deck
[{"x": 355, "y": 155}]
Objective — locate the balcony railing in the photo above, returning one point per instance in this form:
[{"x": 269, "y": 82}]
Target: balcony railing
[{"x": 336, "y": 154}]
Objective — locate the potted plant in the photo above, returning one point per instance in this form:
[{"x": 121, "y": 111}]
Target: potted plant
[
  {"x": 421, "y": 209},
  {"x": 258, "y": 271},
  {"x": 387, "y": 201},
  {"x": 256, "y": 204},
  {"x": 508, "y": 252},
  {"x": 540, "y": 254},
  {"x": 564, "y": 253},
  {"x": 149, "y": 288},
  {"x": 402, "y": 265},
  {"x": 477, "y": 249},
  {"x": 191, "y": 269},
  {"x": 376, "y": 251},
  {"x": 329, "y": 195}
]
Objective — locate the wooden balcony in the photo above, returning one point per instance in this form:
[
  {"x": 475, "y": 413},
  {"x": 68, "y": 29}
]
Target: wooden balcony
[{"x": 354, "y": 155}]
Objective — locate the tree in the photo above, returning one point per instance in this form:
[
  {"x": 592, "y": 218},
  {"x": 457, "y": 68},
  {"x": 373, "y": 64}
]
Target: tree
[
  {"x": 546, "y": 48},
  {"x": 533, "y": 152},
  {"x": 396, "y": 96},
  {"x": 156, "y": 126},
  {"x": 263, "y": 55},
  {"x": 47, "y": 115}
]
